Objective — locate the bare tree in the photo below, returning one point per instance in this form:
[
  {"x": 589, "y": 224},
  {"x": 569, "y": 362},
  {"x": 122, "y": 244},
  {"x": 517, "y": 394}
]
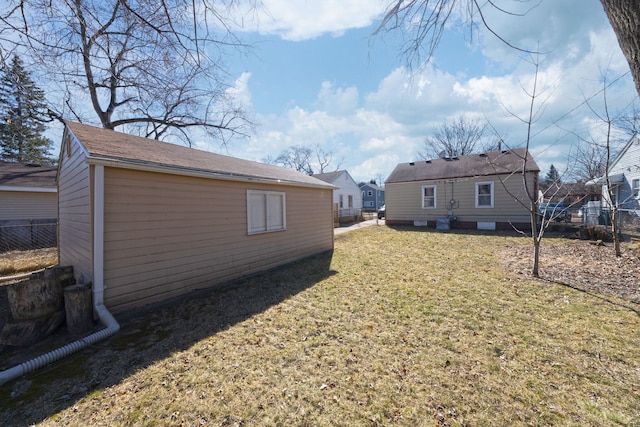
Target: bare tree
[
  {"x": 296, "y": 157},
  {"x": 629, "y": 122},
  {"x": 529, "y": 198},
  {"x": 423, "y": 22},
  {"x": 612, "y": 205},
  {"x": 457, "y": 137},
  {"x": 151, "y": 68},
  {"x": 589, "y": 161},
  {"x": 304, "y": 159},
  {"x": 324, "y": 160}
]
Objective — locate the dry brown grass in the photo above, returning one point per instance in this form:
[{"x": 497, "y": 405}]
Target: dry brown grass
[
  {"x": 398, "y": 327},
  {"x": 15, "y": 262}
]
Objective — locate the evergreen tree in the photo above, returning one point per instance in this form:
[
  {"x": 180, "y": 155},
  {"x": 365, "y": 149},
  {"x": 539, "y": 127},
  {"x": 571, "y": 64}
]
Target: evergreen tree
[
  {"x": 22, "y": 116},
  {"x": 553, "y": 176}
]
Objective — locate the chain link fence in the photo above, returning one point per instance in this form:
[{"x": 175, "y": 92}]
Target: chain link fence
[{"x": 34, "y": 234}]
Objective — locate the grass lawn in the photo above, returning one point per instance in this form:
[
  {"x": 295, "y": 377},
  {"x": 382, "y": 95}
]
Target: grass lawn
[
  {"x": 396, "y": 327},
  {"x": 16, "y": 262}
]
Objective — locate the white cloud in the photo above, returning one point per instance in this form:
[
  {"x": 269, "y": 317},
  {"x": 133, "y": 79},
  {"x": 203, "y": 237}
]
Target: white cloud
[
  {"x": 302, "y": 20},
  {"x": 337, "y": 101}
]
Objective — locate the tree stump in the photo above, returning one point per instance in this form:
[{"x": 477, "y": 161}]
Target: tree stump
[{"x": 79, "y": 309}]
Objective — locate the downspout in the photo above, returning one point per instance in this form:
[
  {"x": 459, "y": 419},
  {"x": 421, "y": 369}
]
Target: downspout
[{"x": 105, "y": 317}]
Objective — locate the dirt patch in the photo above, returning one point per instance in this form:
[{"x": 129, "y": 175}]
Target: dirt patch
[{"x": 582, "y": 265}]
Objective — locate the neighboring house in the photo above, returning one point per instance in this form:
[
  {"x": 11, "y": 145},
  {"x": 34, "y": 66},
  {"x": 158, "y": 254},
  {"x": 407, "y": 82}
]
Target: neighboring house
[
  {"x": 472, "y": 191},
  {"x": 28, "y": 206},
  {"x": 147, "y": 221},
  {"x": 347, "y": 196},
  {"x": 624, "y": 176},
  {"x": 372, "y": 196}
]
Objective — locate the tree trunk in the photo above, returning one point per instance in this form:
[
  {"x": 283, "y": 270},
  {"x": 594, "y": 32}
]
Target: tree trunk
[{"x": 624, "y": 16}]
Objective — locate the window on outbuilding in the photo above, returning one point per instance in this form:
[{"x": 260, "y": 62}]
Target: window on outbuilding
[
  {"x": 266, "y": 211},
  {"x": 429, "y": 196},
  {"x": 635, "y": 187},
  {"x": 484, "y": 194}
]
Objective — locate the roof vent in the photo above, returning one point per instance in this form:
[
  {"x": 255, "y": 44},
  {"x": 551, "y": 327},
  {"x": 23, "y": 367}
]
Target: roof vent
[
  {"x": 427, "y": 161},
  {"x": 412, "y": 164}
]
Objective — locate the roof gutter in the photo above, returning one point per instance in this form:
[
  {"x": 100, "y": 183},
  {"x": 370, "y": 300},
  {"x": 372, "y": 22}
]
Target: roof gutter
[
  {"x": 176, "y": 170},
  {"x": 99, "y": 308},
  {"x": 29, "y": 189}
]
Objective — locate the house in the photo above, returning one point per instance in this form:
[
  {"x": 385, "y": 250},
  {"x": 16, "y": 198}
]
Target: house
[
  {"x": 347, "y": 196},
  {"x": 372, "y": 196},
  {"x": 471, "y": 191},
  {"x": 146, "y": 221},
  {"x": 28, "y": 206},
  {"x": 624, "y": 177}
]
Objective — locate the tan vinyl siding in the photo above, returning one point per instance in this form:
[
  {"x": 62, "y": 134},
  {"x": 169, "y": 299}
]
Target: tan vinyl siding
[
  {"x": 28, "y": 205},
  {"x": 74, "y": 194},
  {"x": 404, "y": 202},
  {"x": 166, "y": 235}
]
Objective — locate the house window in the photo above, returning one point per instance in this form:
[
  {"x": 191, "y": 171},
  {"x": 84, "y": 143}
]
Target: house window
[
  {"x": 369, "y": 193},
  {"x": 484, "y": 194},
  {"x": 635, "y": 187},
  {"x": 341, "y": 201},
  {"x": 429, "y": 197},
  {"x": 266, "y": 211},
  {"x": 350, "y": 201}
]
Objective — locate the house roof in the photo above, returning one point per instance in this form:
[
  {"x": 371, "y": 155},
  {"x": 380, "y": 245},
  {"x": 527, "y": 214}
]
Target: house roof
[
  {"x": 123, "y": 150},
  {"x": 472, "y": 165},
  {"x": 329, "y": 177},
  {"x": 27, "y": 175},
  {"x": 370, "y": 185},
  {"x": 623, "y": 152},
  {"x": 615, "y": 179}
]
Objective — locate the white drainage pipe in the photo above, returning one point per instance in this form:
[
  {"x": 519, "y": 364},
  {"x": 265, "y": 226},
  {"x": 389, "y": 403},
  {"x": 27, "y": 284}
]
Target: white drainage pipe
[{"x": 106, "y": 318}]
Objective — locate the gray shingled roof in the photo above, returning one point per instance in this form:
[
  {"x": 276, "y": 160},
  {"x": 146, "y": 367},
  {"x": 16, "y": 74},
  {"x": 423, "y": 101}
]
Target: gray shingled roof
[
  {"x": 328, "y": 176},
  {"x": 485, "y": 164},
  {"x": 103, "y": 144},
  {"x": 27, "y": 175}
]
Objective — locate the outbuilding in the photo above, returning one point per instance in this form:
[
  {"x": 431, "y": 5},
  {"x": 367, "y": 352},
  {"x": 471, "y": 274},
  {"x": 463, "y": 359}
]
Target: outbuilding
[
  {"x": 28, "y": 206},
  {"x": 480, "y": 191},
  {"x": 146, "y": 221}
]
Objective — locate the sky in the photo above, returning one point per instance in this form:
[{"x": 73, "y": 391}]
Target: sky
[{"x": 318, "y": 77}]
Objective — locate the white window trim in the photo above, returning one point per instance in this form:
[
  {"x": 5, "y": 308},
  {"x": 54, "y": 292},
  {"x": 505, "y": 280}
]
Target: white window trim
[
  {"x": 478, "y": 184},
  {"x": 266, "y": 228},
  {"x": 435, "y": 196}
]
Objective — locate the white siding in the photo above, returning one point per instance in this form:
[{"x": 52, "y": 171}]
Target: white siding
[
  {"x": 74, "y": 199},
  {"x": 628, "y": 163},
  {"x": 166, "y": 235},
  {"x": 26, "y": 205},
  {"x": 348, "y": 187}
]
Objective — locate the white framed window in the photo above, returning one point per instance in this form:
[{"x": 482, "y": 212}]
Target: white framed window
[
  {"x": 266, "y": 211},
  {"x": 350, "y": 201},
  {"x": 429, "y": 196},
  {"x": 635, "y": 187},
  {"x": 484, "y": 194},
  {"x": 341, "y": 201}
]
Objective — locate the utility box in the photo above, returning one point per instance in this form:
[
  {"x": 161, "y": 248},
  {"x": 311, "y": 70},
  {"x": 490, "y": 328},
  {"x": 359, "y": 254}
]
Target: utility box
[{"x": 443, "y": 224}]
